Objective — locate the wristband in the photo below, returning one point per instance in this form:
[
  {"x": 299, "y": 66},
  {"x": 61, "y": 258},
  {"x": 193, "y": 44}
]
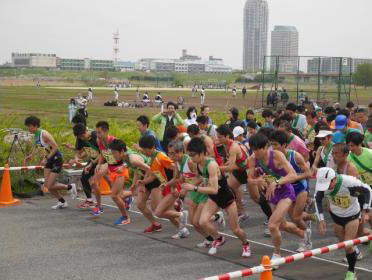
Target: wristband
[{"x": 196, "y": 188}]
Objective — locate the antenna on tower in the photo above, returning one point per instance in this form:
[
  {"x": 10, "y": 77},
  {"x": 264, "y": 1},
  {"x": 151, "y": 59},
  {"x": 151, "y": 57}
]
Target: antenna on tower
[{"x": 116, "y": 38}]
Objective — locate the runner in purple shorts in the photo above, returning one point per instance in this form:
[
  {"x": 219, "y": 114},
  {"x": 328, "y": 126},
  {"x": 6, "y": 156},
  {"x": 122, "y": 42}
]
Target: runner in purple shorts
[{"x": 270, "y": 170}]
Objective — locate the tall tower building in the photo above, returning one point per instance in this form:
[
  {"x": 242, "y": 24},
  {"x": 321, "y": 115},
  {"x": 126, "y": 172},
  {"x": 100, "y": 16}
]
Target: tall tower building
[
  {"x": 256, "y": 17},
  {"x": 284, "y": 43}
]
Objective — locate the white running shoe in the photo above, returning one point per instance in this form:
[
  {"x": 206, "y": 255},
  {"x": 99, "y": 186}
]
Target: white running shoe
[
  {"x": 73, "y": 191},
  {"x": 305, "y": 244},
  {"x": 246, "y": 251},
  {"x": 204, "y": 244},
  {"x": 221, "y": 221},
  {"x": 267, "y": 232},
  {"x": 60, "y": 205},
  {"x": 184, "y": 218},
  {"x": 275, "y": 257},
  {"x": 216, "y": 243},
  {"x": 183, "y": 233}
]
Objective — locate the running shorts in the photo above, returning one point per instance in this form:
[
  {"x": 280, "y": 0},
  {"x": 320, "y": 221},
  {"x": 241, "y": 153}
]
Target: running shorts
[
  {"x": 55, "y": 163},
  {"x": 241, "y": 176},
  {"x": 198, "y": 197},
  {"x": 343, "y": 221}
]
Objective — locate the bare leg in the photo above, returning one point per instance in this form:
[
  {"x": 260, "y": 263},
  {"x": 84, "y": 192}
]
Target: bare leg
[
  {"x": 296, "y": 212},
  {"x": 165, "y": 209},
  {"x": 115, "y": 195},
  {"x": 210, "y": 208},
  {"x": 232, "y": 213},
  {"x": 142, "y": 197},
  {"x": 234, "y": 184}
]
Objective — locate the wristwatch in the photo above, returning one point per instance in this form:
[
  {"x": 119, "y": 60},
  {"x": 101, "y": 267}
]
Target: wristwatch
[
  {"x": 196, "y": 188},
  {"x": 277, "y": 183}
]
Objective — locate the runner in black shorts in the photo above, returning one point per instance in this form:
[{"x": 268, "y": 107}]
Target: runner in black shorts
[
  {"x": 52, "y": 161},
  {"x": 86, "y": 146},
  {"x": 219, "y": 194}
]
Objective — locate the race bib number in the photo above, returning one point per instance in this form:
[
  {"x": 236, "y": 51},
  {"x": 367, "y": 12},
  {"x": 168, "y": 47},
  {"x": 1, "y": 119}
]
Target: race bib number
[
  {"x": 91, "y": 152},
  {"x": 109, "y": 157},
  {"x": 366, "y": 177},
  {"x": 342, "y": 201}
]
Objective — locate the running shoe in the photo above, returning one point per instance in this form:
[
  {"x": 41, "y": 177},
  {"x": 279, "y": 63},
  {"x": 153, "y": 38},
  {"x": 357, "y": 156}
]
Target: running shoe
[
  {"x": 246, "y": 250},
  {"x": 182, "y": 233},
  {"x": 86, "y": 204},
  {"x": 60, "y": 205},
  {"x": 216, "y": 243},
  {"x": 73, "y": 191},
  {"x": 123, "y": 220},
  {"x": 221, "y": 221},
  {"x": 275, "y": 257},
  {"x": 128, "y": 202},
  {"x": 267, "y": 232},
  {"x": 305, "y": 244},
  {"x": 96, "y": 211},
  {"x": 350, "y": 276},
  {"x": 183, "y": 218},
  {"x": 204, "y": 244},
  {"x": 242, "y": 218},
  {"x": 153, "y": 228}
]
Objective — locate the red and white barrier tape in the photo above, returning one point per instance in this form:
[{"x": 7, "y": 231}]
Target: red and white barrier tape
[
  {"x": 37, "y": 167},
  {"x": 290, "y": 259}
]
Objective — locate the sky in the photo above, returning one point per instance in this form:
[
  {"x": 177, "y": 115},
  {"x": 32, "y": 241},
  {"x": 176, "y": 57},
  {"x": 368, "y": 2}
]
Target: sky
[{"x": 162, "y": 28}]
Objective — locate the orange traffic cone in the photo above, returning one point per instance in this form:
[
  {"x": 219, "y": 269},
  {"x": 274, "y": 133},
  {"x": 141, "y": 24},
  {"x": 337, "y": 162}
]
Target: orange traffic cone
[
  {"x": 6, "y": 195},
  {"x": 268, "y": 273},
  {"x": 104, "y": 187}
]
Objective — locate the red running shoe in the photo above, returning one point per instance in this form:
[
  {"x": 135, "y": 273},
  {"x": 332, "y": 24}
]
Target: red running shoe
[{"x": 153, "y": 228}]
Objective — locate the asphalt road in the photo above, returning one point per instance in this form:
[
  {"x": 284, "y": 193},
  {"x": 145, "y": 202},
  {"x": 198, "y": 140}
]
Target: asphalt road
[{"x": 37, "y": 242}]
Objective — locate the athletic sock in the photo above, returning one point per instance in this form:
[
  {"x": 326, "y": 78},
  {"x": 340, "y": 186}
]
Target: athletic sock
[
  {"x": 216, "y": 217},
  {"x": 69, "y": 187},
  {"x": 209, "y": 238},
  {"x": 264, "y": 204},
  {"x": 351, "y": 259},
  {"x": 62, "y": 200}
]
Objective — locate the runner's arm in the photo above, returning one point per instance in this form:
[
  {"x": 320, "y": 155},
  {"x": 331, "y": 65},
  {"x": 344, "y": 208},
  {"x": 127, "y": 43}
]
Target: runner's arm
[
  {"x": 352, "y": 170},
  {"x": 138, "y": 162},
  {"x": 362, "y": 190},
  {"x": 304, "y": 167},
  {"x": 319, "y": 195},
  {"x": 317, "y": 159},
  {"x": 212, "y": 187},
  {"x": 230, "y": 164},
  {"x": 251, "y": 173}
]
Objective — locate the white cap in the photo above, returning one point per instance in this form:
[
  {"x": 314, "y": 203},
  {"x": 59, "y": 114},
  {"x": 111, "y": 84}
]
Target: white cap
[
  {"x": 324, "y": 133},
  {"x": 324, "y": 177},
  {"x": 238, "y": 130}
]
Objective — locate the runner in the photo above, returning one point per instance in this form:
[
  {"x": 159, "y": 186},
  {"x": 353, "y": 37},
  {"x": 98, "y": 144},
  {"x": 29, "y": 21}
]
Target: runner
[
  {"x": 171, "y": 193},
  {"x": 298, "y": 120},
  {"x": 86, "y": 146},
  {"x": 275, "y": 174},
  {"x": 194, "y": 132},
  {"x": 52, "y": 160},
  {"x": 237, "y": 165},
  {"x": 118, "y": 175},
  {"x": 207, "y": 129},
  {"x": 294, "y": 142},
  {"x": 324, "y": 152},
  {"x": 108, "y": 168},
  {"x": 342, "y": 192},
  {"x": 301, "y": 186},
  {"x": 219, "y": 196},
  {"x": 153, "y": 182},
  {"x": 143, "y": 124}
]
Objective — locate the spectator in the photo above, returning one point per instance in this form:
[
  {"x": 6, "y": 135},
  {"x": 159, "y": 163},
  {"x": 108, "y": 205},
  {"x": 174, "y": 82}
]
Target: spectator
[
  {"x": 268, "y": 115},
  {"x": 284, "y": 97},
  {"x": 90, "y": 95},
  {"x": 202, "y": 96},
  {"x": 302, "y": 96},
  {"x": 158, "y": 100},
  {"x": 249, "y": 116},
  {"x": 204, "y": 111},
  {"x": 71, "y": 109},
  {"x": 233, "y": 120},
  {"x": 350, "y": 106},
  {"x": 342, "y": 129},
  {"x": 165, "y": 119},
  {"x": 191, "y": 116},
  {"x": 298, "y": 120},
  {"x": 244, "y": 91},
  {"x": 146, "y": 99}
]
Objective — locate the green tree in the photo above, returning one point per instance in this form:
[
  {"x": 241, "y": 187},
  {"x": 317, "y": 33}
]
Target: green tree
[{"x": 363, "y": 75}]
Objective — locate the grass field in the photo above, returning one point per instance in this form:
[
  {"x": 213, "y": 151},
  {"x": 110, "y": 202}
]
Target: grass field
[{"x": 51, "y": 103}]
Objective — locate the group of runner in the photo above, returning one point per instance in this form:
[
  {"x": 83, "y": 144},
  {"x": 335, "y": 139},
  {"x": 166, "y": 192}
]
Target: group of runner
[{"x": 208, "y": 168}]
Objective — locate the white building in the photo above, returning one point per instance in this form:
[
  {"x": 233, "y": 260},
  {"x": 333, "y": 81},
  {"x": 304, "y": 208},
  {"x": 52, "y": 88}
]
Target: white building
[
  {"x": 255, "y": 32},
  {"x": 284, "y": 44},
  {"x": 31, "y": 60}
]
